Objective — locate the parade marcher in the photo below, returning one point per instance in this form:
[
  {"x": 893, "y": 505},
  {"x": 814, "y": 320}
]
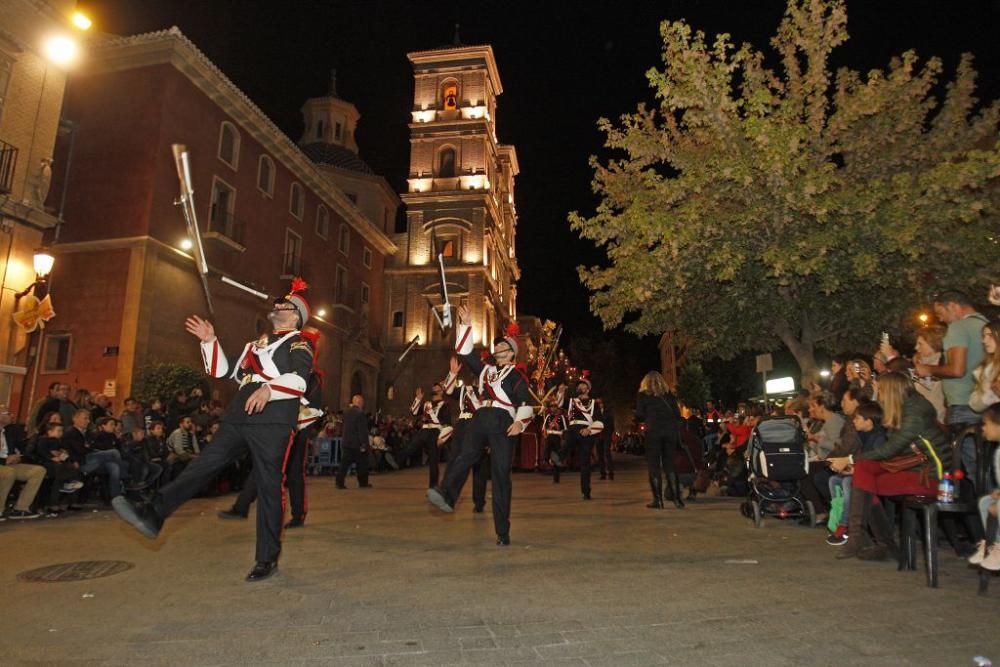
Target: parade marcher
[
  {"x": 713, "y": 421},
  {"x": 657, "y": 407},
  {"x": 584, "y": 426},
  {"x": 310, "y": 418},
  {"x": 604, "y": 459},
  {"x": 468, "y": 402},
  {"x": 553, "y": 428},
  {"x": 435, "y": 416},
  {"x": 354, "y": 444},
  {"x": 272, "y": 372},
  {"x": 503, "y": 416}
]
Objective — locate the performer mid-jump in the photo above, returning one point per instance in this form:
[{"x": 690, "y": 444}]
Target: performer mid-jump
[
  {"x": 272, "y": 372},
  {"x": 502, "y": 417}
]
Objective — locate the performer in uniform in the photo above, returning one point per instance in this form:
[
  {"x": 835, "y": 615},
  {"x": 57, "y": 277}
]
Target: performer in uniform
[
  {"x": 310, "y": 418},
  {"x": 584, "y": 416},
  {"x": 502, "y": 417},
  {"x": 469, "y": 401},
  {"x": 553, "y": 428},
  {"x": 272, "y": 373},
  {"x": 436, "y": 415}
]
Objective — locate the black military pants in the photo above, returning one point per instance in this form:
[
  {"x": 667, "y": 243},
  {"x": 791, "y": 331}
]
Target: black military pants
[
  {"x": 480, "y": 471},
  {"x": 269, "y": 445},
  {"x": 582, "y": 446},
  {"x": 425, "y": 440},
  {"x": 355, "y": 456},
  {"x": 488, "y": 429},
  {"x": 604, "y": 459},
  {"x": 295, "y": 481},
  {"x": 553, "y": 444}
]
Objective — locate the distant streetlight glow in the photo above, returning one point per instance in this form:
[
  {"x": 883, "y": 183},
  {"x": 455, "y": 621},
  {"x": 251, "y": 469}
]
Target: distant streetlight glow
[
  {"x": 186, "y": 244},
  {"x": 61, "y": 50},
  {"x": 321, "y": 312},
  {"x": 923, "y": 317},
  {"x": 824, "y": 373},
  {"x": 81, "y": 21}
]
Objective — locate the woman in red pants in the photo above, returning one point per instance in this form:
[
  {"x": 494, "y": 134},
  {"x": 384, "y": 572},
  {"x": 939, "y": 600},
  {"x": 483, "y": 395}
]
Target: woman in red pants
[{"x": 909, "y": 419}]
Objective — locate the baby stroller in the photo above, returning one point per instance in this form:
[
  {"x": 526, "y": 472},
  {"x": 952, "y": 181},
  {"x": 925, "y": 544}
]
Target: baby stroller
[{"x": 777, "y": 460}]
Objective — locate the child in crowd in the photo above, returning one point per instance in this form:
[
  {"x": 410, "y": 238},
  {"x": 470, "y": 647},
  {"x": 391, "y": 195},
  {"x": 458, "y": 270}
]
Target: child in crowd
[
  {"x": 987, "y": 553},
  {"x": 59, "y": 466},
  {"x": 871, "y": 434}
]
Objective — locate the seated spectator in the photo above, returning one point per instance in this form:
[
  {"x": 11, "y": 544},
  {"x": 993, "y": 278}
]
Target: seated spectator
[
  {"x": 859, "y": 373},
  {"x": 157, "y": 450},
  {"x": 836, "y": 438},
  {"x": 183, "y": 446},
  {"x": 852, "y": 398},
  {"x": 867, "y": 422},
  {"x": 987, "y": 552},
  {"x": 155, "y": 413},
  {"x": 13, "y": 468},
  {"x": 142, "y": 471},
  {"x": 102, "y": 408},
  {"x": 132, "y": 417},
  {"x": 105, "y": 462},
  {"x": 928, "y": 351},
  {"x": 59, "y": 465},
  {"x": 908, "y": 418}
]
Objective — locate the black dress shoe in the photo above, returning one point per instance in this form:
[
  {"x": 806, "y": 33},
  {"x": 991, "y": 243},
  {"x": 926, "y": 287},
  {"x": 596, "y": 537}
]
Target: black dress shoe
[
  {"x": 231, "y": 514},
  {"x": 142, "y": 516},
  {"x": 262, "y": 570},
  {"x": 341, "y": 486},
  {"x": 295, "y": 523},
  {"x": 365, "y": 486},
  {"x": 503, "y": 540},
  {"x": 604, "y": 475},
  {"x": 478, "y": 509},
  {"x": 586, "y": 495}
]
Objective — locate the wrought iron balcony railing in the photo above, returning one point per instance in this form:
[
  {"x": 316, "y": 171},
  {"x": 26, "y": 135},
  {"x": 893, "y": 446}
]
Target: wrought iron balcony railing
[{"x": 8, "y": 162}]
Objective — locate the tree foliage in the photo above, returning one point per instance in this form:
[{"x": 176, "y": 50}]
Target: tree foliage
[
  {"x": 693, "y": 386},
  {"x": 163, "y": 380},
  {"x": 755, "y": 207}
]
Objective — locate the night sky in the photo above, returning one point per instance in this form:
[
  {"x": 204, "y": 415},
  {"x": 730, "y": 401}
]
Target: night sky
[{"x": 563, "y": 65}]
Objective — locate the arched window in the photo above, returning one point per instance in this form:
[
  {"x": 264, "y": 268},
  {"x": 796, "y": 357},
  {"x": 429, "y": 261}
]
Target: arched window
[
  {"x": 344, "y": 239},
  {"x": 449, "y": 96},
  {"x": 322, "y": 221},
  {"x": 265, "y": 175},
  {"x": 446, "y": 163},
  {"x": 229, "y": 144},
  {"x": 296, "y": 201}
]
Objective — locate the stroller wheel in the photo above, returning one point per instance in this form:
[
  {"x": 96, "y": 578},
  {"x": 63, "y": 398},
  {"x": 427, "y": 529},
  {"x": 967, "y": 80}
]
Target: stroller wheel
[
  {"x": 758, "y": 516},
  {"x": 811, "y": 511},
  {"x": 746, "y": 510}
]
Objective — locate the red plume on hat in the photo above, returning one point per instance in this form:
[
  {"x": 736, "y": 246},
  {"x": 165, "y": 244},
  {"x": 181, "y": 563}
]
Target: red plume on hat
[
  {"x": 511, "y": 332},
  {"x": 296, "y": 299},
  {"x": 585, "y": 379}
]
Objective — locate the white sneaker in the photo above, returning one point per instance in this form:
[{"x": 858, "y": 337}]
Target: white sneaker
[
  {"x": 70, "y": 487},
  {"x": 980, "y": 553},
  {"x": 992, "y": 560}
]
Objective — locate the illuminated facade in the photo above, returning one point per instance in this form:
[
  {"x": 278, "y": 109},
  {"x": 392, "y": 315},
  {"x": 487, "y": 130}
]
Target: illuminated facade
[{"x": 460, "y": 202}]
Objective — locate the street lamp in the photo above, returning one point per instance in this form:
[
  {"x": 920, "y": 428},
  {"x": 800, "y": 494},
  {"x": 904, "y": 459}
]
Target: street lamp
[
  {"x": 61, "y": 50},
  {"x": 43, "y": 262},
  {"x": 924, "y": 318},
  {"x": 82, "y": 21}
]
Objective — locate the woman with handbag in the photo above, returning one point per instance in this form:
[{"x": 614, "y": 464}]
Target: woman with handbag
[
  {"x": 904, "y": 465},
  {"x": 657, "y": 407}
]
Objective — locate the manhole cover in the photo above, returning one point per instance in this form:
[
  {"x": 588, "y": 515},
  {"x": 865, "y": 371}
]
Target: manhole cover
[{"x": 84, "y": 569}]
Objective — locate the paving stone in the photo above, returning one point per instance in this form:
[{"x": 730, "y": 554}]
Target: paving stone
[{"x": 379, "y": 579}]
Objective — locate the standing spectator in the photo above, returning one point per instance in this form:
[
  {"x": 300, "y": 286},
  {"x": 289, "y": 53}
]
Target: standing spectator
[
  {"x": 132, "y": 417},
  {"x": 179, "y": 408},
  {"x": 155, "y": 413},
  {"x": 47, "y": 406},
  {"x": 202, "y": 417},
  {"x": 987, "y": 373},
  {"x": 14, "y": 469},
  {"x": 101, "y": 408},
  {"x": 657, "y": 407},
  {"x": 963, "y": 351},
  {"x": 604, "y": 459},
  {"x": 838, "y": 377},
  {"x": 354, "y": 446},
  {"x": 82, "y": 400}
]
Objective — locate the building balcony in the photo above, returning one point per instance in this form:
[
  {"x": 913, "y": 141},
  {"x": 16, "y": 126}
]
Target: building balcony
[
  {"x": 449, "y": 184},
  {"x": 226, "y": 229},
  {"x": 8, "y": 163}
]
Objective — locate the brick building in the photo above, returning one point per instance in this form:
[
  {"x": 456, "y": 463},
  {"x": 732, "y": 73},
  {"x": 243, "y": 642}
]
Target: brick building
[
  {"x": 460, "y": 203},
  {"x": 31, "y": 96},
  {"x": 266, "y": 210}
]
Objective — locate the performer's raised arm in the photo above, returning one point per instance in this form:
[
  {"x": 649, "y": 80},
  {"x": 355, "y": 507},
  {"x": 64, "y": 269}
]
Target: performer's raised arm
[
  {"x": 450, "y": 382},
  {"x": 212, "y": 355},
  {"x": 418, "y": 402},
  {"x": 463, "y": 342}
]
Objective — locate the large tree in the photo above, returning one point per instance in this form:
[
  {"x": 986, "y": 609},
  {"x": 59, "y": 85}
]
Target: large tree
[{"x": 756, "y": 207}]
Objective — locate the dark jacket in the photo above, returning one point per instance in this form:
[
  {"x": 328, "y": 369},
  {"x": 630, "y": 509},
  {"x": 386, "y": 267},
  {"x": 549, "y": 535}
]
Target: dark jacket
[
  {"x": 15, "y": 436},
  {"x": 919, "y": 419},
  {"x": 76, "y": 444},
  {"x": 660, "y": 413},
  {"x": 847, "y": 442},
  {"x": 355, "y": 429}
]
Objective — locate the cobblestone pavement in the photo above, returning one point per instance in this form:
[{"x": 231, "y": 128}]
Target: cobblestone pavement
[{"x": 378, "y": 577}]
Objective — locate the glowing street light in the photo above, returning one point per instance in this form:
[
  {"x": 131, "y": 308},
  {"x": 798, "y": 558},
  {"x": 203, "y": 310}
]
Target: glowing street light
[
  {"x": 81, "y": 21},
  {"x": 61, "y": 50},
  {"x": 321, "y": 312},
  {"x": 43, "y": 262},
  {"x": 824, "y": 373},
  {"x": 186, "y": 244},
  {"x": 924, "y": 318}
]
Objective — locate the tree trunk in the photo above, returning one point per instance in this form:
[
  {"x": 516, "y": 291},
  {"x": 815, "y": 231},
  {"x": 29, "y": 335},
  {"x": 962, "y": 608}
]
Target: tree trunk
[{"x": 804, "y": 351}]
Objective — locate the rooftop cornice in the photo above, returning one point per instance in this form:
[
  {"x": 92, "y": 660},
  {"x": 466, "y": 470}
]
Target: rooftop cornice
[{"x": 451, "y": 53}]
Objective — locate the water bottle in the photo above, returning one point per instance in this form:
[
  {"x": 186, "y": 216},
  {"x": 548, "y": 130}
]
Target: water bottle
[{"x": 946, "y": 489}]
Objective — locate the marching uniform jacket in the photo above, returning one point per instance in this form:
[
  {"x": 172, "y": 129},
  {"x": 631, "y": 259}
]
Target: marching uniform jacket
[
  {"x": 435, "y": 414},
  {"x": 503, "y": 387},
  {"x": 554, "y": 422},
  {"x": 585, "y": 414},
  {"x": 282, "y": 360},
  {"x": 468, "y": 397}
]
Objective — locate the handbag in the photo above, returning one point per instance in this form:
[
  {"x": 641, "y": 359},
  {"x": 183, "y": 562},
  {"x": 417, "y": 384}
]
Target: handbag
[
  {"x": 915, "y": 458},
  {"x": 836, "y": 509}
]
